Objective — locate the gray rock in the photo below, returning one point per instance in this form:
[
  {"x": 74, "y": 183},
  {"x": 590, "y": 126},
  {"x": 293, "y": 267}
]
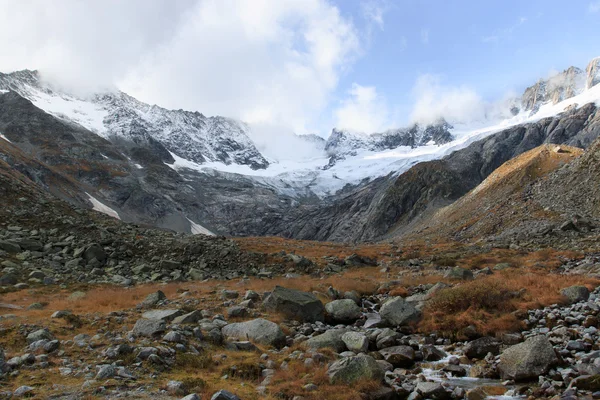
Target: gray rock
[
  {"x": 293, "y": 304},
  {"x": 397, "y": 312},
  {"x": 192, "y": 396},
  {"x": 40, "y": 334},
  {"x": 432, "y": 390},
  {"x": 356, "y": 342},
  {"x": 351, "y": 369},
  {"x": 106, "y": 372},
  {"x": 9, "y": 247},
  {"x": 459, "y": 273},
  {"x": 164, "y": 315},
  {"x": 153, "y": 299},
  {"x": 189, "y": 318},
  {"x": 343, "y": 311},
  {"x": 258, "y": 330},
  {"x": 329, "y": 339},
  {"x": 399, "y": 356},
  {"x": 575, "y": 294},
  {"x": 432, "y": 353},
  {"x": 527, "y": 360},
  {"x": 149, "y": 327},
  {"x": 479, "y": 348},
  {"x": 23, "y": 391},
  {"x": 224, "y": 395},
  {"x": 95, "y": 251}
]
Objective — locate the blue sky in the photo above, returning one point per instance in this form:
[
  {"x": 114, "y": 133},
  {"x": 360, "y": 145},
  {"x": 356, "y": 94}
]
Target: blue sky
[
  {"x": 303, "y": 66},
  {"x": 490, "y": 46}
]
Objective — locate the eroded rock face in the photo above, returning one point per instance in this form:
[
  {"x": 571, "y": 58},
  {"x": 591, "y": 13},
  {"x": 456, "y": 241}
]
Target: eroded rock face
[
  {"x": 593, "y": 73},
  {"x": 527, "y": 360},
  {"x": 294, "y": 304}
]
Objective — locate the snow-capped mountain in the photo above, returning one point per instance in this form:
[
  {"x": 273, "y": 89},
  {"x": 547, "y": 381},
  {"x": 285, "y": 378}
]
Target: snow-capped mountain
[{"x": 116, "y": 115}]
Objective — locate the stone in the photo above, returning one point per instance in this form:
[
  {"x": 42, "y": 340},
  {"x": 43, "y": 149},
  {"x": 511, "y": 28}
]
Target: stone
[
  {"x": 95, "y": 251},
  {"x": 527, "y": 360},
  {"x": 459, "y": 273},
  {"x": 432, "y": 390},
  {"x": 224, "y": 395},
  {"x": 149, "y": 327},
  {"x": 189, "y": 318},
  {"x": 397, "y": 312},
  {"x": 329, "y": 339},
  {"x": 23, "y": 391},
  {"x": 575, "y": 294},
  {"x": 153, "y": 299},
  {"x": 192, "y": 396},
  {"x": 432, "y": 353},
  {"x": 296, "y": 305},
  {"x": 479, "y": 348},
  {"x": 356, "y": 342},
  {"x": 399, "y": 356},
  {"x": 342, "y": 311},
  {"x": 40, "y": 334},
  {"x": 351, "y": 369},
  {"x": 9, "y": 247},
  {"x": 106, "y": 372},
  {"x": 258, "y": 330},
  {"x": 8, "y": 279},
  {"x": 164, "y": 315},
  {"x": 237, "y": 312},
  {"x": 587, "y": 382}
]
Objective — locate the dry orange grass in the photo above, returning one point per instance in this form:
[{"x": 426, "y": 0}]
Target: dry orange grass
[{"x": 490, "y": 304}]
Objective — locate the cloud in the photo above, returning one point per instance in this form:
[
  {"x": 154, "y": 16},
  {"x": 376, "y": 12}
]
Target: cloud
[
  {"x": 434, "y": 100},
  {"x": 504, "y": 33},
  {"x": 594, "y": 7},
  {"x": 263, "y": 61},
  {"x": 425, "y": 36},
  {"x": 373, "y": 11},
  {"x": 363, "y": 111}
]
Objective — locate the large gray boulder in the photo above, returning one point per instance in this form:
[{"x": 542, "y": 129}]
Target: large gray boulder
[
  {"x": 527, "y": 360},
  {"x": 399, "y": 356},
  {"x": 164, "y": 315},
  {"x": 575, "y": 294},
  {"x": 342, "y": 311},
  {"x": 95, "y": 251},
  {"x": 356, "y": 342},
  {"x": 479, "y": 348},
  {"x": 258, "y": 330},
  {"x": 330, "y": 339},
  {"x": 459, "y": 273},
  {"x": 351, "y": 369},
  {"x": 149, "y": 327},
  {"x": 397, "y": 312},
  {"x": 432, "y": 390},
  {"x": 296, "y": 305}
]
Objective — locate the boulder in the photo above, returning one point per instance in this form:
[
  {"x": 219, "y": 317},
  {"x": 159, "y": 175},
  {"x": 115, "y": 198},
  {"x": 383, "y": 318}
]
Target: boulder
[
  {"x": 432, "y": 390},
  {"x": 527, "y": 360},
  {"x": 149, "y": 327},
  {"x": 432, "y": 353},
  {"x": 356, "y": 342},
  {"x": 95, "y": 251},
  {"x": 459, "y": 273},
  {"x": 575, "y": 294},
  {"x": 224, "y": 395},
  {"x": 164, "y": 315},
  {"x": 330, "y": 339},
  {"x": 258, "y": 330},
  {"x": 397, "y": 312},
  {"x": 9, "y": 247},
  {"x": 40, "y": 334},
  {"x": 189, "y": 318},
  {"x": 293, "y": 304},
  {"x": 399, "y": 356},
  {"x": 153, "y": 299},
  {"x": 479, "y": 348},
  {"x": 351, "y": 369},
  {"x": 343, "y": 311}
]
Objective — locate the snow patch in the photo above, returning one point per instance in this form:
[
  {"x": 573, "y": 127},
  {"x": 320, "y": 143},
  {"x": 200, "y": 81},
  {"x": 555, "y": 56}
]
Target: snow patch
[
  {"x": 198, "y": 229},
  {"x": 2, "y": 91},
  {"x": 138, "y": 166},
  {"x": 98, "y": 206},
  {"x": 5, "y": 138}
]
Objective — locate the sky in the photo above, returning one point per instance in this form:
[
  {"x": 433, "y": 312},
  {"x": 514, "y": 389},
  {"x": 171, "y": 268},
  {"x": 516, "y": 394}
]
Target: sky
[{"x": 303, "y": 66}]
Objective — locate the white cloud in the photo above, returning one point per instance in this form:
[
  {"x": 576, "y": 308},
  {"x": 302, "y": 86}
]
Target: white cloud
[
  {"x": 264, "y": 61},
  {"x": 425, "y": 36},
  {"x": 363, "y": 111},
  {"x": 434, "y": 100},
  {"x": 594, "y": 7},
  {"x": 504, "y": 33},
  {"x": 373, "y": 11}
]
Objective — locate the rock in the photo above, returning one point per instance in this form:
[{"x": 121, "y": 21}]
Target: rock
[
  {"x": 293, "y": 304},
  {"x": 149, "y": 327},
  {"x": 8, "y": 279},
  {"x": 432, "y": 353},
  {"x": 95, "y": 251},
  {"x": 177, "y": 388},
  {"x": 224, "y": 395},
  {"x": 575, "y": 294},
  {"x": 174, "y": 337},
  {"x": 586, "y": 382},
  {"x": 459, "y": 273},
  {"x": 106, "y": 372},
  {"x": 527, "y": 360},
  {"x": 192, "y": 396},
  {"x": 397, "y": 312},
  {"x": 432, "y": 390},
  {"x": 164, "y": 315},
  {"x": 399, "y": 356},
  {"x": 9, "y": 247},
  {"x": 153, "y": 299},
  {"x": 479, "y": 348},
  {"x": 189, "y": 318},
  {"x": 258, "y": 330},
  {"x": 356, "y": 342},
  {"x": 343, "y": 311},
  {"x": 329, "y": 339},
  {"x": 237, "y": 312},
  {"x": 455, "y": 370},
  {"x": 351, "y": 369},
  {"x": 40, "y": 334},
  {"x": 23, "y": 391}
]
